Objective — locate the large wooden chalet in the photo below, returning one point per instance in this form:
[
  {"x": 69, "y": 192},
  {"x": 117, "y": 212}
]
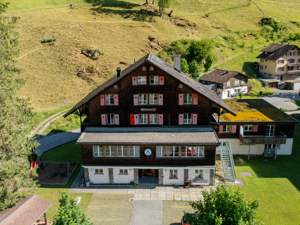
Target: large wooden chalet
[{"x": 150, "y": 121}]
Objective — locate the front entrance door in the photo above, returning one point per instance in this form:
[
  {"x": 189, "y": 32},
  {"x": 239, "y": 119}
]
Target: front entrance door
[
  {"x": 228, "y": 94},
  {"x": 148, "y": 176},
  {"x": 150, "y": 172}
]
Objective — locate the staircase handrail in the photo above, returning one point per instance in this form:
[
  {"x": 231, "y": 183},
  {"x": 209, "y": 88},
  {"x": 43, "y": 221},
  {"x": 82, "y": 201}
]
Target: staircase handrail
[{"x": 231, "y": 158}]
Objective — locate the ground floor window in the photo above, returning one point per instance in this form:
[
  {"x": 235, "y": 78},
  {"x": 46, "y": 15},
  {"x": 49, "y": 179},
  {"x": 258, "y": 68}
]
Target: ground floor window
[
  {"x": 98, "y": 171},
  {"x": 199, "y": 174},
  {"x": 123, "y": 172},
  {"x": 173, "y": 174}
]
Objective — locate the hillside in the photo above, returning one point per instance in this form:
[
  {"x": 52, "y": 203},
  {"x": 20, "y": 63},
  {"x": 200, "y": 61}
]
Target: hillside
[{"x": 51, "y": 70}]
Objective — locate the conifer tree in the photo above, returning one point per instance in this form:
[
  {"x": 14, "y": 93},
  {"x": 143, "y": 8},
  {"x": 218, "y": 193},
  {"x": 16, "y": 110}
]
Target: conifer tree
[{"x": 15, "y": 114}]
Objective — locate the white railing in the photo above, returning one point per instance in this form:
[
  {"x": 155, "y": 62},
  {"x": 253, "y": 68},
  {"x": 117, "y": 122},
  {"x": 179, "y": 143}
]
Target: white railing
[{"x": 231, "y": 158}]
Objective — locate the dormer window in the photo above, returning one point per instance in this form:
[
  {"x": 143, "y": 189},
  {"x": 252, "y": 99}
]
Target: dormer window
[
  {"x": 109, "y": 99},
  {"x": 141, "y": 80},
  {"x": 154, "y": 80}
]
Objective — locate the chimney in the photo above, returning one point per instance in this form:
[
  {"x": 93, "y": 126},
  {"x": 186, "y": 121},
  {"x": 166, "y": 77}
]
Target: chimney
[
  {"x": 177, "y": 62},
  {"x": 118, "y": 71}
]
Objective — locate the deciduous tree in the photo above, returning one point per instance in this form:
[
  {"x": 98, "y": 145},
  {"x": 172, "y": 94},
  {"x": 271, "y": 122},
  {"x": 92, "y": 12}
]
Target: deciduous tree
[
  {"x": 15, "y": 114},
  {"x": 163, "y": 4}
]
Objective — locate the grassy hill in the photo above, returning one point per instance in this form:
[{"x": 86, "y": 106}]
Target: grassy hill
[{"x": 51, "y": 70}]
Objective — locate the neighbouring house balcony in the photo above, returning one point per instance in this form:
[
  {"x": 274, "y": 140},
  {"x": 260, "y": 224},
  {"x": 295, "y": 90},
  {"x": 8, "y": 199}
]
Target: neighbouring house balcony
[
  {"x": 293, "y": 64},
  {"x": 293, "y": 71},
  {"x": 262, "y": 139}
]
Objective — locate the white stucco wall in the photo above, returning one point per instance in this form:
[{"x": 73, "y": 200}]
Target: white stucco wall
[
  {"x": 99, "y": 178},
  {"x": 225, "y": 92},
  {"x": 286, "y": 149},
  {"x": 206, "y": 175},
  {"x": 238, "y": 149},
  {"x": 123, "y": 179},
  {"x": 168, "y": 181},
  {"x": 296, "y": 86}
]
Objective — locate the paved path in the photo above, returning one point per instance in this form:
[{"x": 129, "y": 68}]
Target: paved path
[{"x": 147, "y": 213}]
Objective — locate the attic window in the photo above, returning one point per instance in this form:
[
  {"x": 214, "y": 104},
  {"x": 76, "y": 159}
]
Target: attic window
[
  {"x": 151, "y": 68},
  {"x": 116, "y": 87},
  {"x": 180, "y": 86},
  {"x": 144, "y": 68}
]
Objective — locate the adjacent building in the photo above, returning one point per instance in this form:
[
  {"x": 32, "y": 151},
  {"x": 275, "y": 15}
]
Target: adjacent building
[
  {"x": 279, "y": 64},
  {"x": 227, "y": 83}
]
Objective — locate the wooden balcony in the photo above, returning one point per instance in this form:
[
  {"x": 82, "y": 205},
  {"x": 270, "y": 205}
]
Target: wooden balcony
[
  {"x": 261, "y": 139},
  {"x": 293, "y": 71}
]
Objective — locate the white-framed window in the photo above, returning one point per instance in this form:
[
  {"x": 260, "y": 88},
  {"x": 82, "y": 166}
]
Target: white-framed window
[
  {"x": 226, "y": 128},
  {"x": 228, "y": 83},
  {"x": 248, "y": 128},
  {"x": 199, "y": 174},
  {"x": 280, "y": 68},
  {"x": 154, "y": 80},
  {"x": 161, "y": 151},
  {"x": 121, "y": 151},
  {"x": 236, "y": 90},
  {"x": 123, "y": 172},
  {"x": 236, "y": 82},
  {"x": 186, "y": 151},
  {"x": 134, "y": 151},
  {"x": 198, "y": 151},
  {"x": 288, "y": 54},
  {"x": 281, "y": 61},
  {"x": 173, "y": 174},
  {"x": 174, "y": 151},
  {"x": 188, "y": 99},
  {"x": 261, "y": 67},
  {"x": 143, "y": 99},
  {"x": 110, "y": 119},
  {"x": 187, "y": 118},
  {"x": 109, "y": 152},
  {"x": 153, "y": 118},
  {"x": 143, "y": 118},
  {"x": 98, "y": 171},
  {"x": 98, "y": 151},
  {"x": 109, "y": 99},
  {"x": 153, "y": 99},
  {"x": 270, "y": 130},
  {"x": 242, "y": 81},
  {"x": 141, "y": 80}
]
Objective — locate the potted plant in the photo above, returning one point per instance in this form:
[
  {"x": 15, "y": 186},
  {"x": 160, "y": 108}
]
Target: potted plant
[
  {"x": 87, "y": 182},
  {"x": 186, "y": 183}
]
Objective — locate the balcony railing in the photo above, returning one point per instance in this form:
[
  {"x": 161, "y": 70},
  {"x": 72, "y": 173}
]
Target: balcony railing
[
  {"x": 293, "y": 64},
  {"x": 293, "y": 71},
  {"x": 262, "y": 139}
]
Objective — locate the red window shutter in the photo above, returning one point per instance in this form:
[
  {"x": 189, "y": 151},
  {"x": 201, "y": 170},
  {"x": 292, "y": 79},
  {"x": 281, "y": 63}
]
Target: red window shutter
[
  {"x": 233, "y": 129},
  {"x": 220, "y": 129},
  {"x": 116, "y": 100},
  {"x": 180, "y": 99},
  {"x": 103, "y": 119},
  {"x": 298, "y": 60},
  {"x": 195, "y": 99},
  {"x": 161, "y": 80},
  {"x": 102, "y": 100},
  {"x": 136, "y": 119},
  {"x": 243, "y": 126},
  {"x": 134, "y": 80},
  {"x": 161, "y": 119},
  {"x": 195, "y": 117},
  {"x": 278, "y": 61},
  {"x": 180, "y": 119},
  {"x": 255, "y": 128},
  {"x": 136, "y": 99},
  {"x": 117, "y": 121},
  {"x": 277, "y": 68},
  {"x": 131, "y": 119},
  {"x": 160, "y": 99}
]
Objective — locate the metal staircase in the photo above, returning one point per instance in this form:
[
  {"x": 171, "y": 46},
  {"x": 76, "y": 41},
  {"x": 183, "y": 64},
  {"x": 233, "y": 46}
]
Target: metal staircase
[{"x": 227, "y": 162}]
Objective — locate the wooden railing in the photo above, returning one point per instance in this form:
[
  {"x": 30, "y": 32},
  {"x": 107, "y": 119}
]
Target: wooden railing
[{"x": 262, "y": 139}]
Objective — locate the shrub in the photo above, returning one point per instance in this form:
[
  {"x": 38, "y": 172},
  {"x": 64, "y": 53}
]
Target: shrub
[
  {"x": 241, "y": 94},
  {"x": 48, "y": 40},
  {"x": 184, "y": 66},
  {"x": 261, "y": 93},
  {"x": 194, "y": 69}
]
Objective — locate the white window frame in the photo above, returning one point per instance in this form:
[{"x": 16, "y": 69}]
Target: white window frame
[
  {"x": 108, "y": 150},
  {"x": 134, "y": 150},
  {"x": 110, "y": 98},
  {"x": 248, "y": 128},
  {"x": 173, "y": 174},
  {"x": 142, "y": 97},
  {"x": 153, "y": 117},
  {"x": 97, "y": 148},
  {"x": 173, "y": 151},
  {"x": 141, "y": 80},
  {"x": 281, "y": 61},
  {"x": 123, "y": 172},
  {"x": 237, "y": 90},
  {"x": 163, "y": 150},
  {"x": 261, "y": 60},
  {"x": 270, "y": 131},
  {"x": 144, "y": 118},
  {"x": 228, "y": 83},
  {"x": 237, "y": 82},
  {"x": 152, "y": 98},
  {"x": 155, "y": 80},
  {"x": 226, "y": 128},
  {"x": 123, "y": 151},
  {"x": 186, "y": 119},
  {"x": 188, "y": 99},
  {"x": 199, "y": 152},
  {"x": 198, "y": 172},
  {"x": 112, "y": 119},
  {"x": 99, "y": 171},
  {"x": 242, "y": 81}
]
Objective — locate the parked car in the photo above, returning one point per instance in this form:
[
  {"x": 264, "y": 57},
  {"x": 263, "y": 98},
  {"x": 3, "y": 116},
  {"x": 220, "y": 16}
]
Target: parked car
[{"x": 183, "y": 221}]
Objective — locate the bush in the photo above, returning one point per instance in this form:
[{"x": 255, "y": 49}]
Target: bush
[
  {"x": 194, "y": 69},
  {"x": 261, "y": 93},
  {"x": 241, "y": 94},
  {"x": 48, "y": 40},
  {"x": 184, "y": 66}
]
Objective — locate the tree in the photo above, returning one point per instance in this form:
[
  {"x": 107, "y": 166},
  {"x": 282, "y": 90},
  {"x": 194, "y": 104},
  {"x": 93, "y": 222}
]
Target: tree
[
  {"x": 200, "y": 50},
  {"x": 223, "y": 206},
  {"x": 163, "y": 4},
  {"x": 184, "y": 66},
  {"x": 194, "y": 69},
  {"x": 69, "y": 213},
  {"x": 15, "y": 114},
  {"x": 208, "y": 62}
]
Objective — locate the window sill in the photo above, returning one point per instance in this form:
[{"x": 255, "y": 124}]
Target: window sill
[
  {"x": 155, "y": 84},
  {"x": 123, "y": 173},
  {"x": 173, "y": 178},
  {"x": 187, "y": 103},
  {"x": 98, "y": 173}
]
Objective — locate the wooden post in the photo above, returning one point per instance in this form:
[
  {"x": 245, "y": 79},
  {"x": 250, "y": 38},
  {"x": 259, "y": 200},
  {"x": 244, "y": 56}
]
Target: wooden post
[
  {"x": 68, "y": 168},
  {"x": 45, "y": 218}
]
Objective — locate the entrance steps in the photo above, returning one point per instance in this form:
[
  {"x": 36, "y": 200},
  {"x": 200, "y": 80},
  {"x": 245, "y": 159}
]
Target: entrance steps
[{"x": 227, "y": 162}]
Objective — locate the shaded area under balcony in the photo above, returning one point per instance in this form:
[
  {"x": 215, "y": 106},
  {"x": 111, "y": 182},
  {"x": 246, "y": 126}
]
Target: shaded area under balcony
[{"x": 262, "y": 139}]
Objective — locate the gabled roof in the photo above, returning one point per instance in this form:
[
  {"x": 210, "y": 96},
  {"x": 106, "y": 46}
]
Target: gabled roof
[
  {"x": 279, "y": 52},
  {"x": 220, "y": 76},
  {"x": 166, "y": 67},
  {"x": 272, "y": 48}
]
